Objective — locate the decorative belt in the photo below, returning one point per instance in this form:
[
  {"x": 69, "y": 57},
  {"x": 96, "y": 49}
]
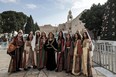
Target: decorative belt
[
  {"x": 49, "y": 47},
  {"x": 68, "y": 47}
]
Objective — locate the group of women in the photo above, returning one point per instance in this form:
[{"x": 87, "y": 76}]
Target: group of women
[{"x": 67, "y": 53}]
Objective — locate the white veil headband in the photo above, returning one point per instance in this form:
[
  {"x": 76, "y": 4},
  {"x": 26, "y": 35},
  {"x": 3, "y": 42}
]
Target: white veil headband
[
  {"x": 37, "y": 31},
  {"x": 21, "y": 31},
  {"x": 33, "y": 41}
]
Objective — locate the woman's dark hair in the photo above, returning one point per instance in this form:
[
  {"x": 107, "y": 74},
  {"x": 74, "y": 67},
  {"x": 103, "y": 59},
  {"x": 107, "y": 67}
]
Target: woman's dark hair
[
  {"x": 60, "y": 37},
  {"x": 37, "y": 36},
  {"x": 87, "y": 37},
  {"x": 79, "y": 37},
  {"x": 17, "y": 36},
  {"x": 28, "y": 39},
  {"x": 69, "y": 37},
  {"x": 42, "y": 35},
  {"x": 49, "y": 35}
]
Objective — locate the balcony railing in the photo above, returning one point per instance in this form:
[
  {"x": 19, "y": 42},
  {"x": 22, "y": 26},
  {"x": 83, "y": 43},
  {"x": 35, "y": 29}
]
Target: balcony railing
[{"x": 105, "y": 54}]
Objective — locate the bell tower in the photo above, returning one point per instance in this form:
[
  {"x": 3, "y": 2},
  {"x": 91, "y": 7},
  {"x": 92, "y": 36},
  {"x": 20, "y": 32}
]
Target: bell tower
[{"x": 69, "y": 17}]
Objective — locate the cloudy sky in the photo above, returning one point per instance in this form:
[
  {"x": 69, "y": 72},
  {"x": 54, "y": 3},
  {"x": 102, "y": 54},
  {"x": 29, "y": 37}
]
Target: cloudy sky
[{"x": 48, "y": 11}]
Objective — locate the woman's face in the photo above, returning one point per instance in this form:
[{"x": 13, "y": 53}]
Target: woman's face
[
  {"x": 60, "y": 34},
  {"x": 20, "y": 34},
  {"x": 76, "y": 36},
  {"x": 85, "y": 36},
  {"x": 51, "y": 35},
  {"x": 30, "y": 36},
  {"x": 38, "y": 33},
  {"x": 43, "y": 34},
  {"x": 68, "y": 36}
]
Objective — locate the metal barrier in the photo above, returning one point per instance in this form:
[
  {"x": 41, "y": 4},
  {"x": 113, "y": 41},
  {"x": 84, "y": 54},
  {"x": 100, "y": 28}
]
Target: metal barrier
[{"x": 105, "y": 55}]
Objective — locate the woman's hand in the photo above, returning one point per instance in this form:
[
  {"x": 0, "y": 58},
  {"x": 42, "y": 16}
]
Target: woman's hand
[
  {"x": 17, "y": 46},
  {"x": 37, "y": 51}
]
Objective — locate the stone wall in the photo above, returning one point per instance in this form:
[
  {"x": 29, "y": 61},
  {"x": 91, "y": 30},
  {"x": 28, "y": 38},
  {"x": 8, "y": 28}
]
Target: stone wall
[
  {"x": 76, "y": 24},
  {"x": 48, "y": 28}
]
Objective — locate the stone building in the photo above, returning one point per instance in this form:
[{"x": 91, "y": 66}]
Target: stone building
[
  {"x": 71, "y": 25},
  {"x": 77, "y": 25},
  {"x": 48, "y": 28}
]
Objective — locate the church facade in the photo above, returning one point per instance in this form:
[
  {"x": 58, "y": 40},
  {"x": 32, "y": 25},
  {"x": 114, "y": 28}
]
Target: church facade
[{"x": 70, "y": 26}]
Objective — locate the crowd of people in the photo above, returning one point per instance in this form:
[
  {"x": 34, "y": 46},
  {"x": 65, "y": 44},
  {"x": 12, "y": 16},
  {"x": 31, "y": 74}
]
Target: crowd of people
[{"x": 67, "y": 53}]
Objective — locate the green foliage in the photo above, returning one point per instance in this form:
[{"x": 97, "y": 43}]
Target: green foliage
[
  {"x": 36, "y": 27},
  {"x": 109, "y": 21},
  {"x": 14, "y": 21},
  {"x": 1, "y": 23},
  {"x": 93, "y": 18},
  {"x": 30, "y": 26}
]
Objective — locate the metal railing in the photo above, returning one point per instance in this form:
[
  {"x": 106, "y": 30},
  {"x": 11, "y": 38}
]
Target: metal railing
[{"x": 105, "y": 55}]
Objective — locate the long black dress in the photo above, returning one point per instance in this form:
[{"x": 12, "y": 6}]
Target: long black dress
[{"x": 50, "y": 47}]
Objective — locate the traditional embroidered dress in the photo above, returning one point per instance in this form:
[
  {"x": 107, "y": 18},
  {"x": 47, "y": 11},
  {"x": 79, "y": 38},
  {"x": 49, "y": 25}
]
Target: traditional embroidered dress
[
  {"x": 28, "y": 55},
  {"x": 50, "y": 47},
  {"x": 76, "y": 69},
  {"x": 68, "y": 56},
  {"x": 60, "y": 55},
  {"x": 37, "y": 51},
  {"x": 16, "y": 56},
  {"x": 41, "y": 55},
  {"x": 86, "y": 65}
]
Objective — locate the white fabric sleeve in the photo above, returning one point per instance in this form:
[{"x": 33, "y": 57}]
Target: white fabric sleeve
[{"x": 33, "y": 43}]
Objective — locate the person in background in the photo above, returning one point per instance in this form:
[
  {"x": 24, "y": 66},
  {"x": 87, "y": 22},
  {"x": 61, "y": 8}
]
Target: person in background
[
  {"x": 76, "y": 68},
  {"x": 51, "y": 47}
]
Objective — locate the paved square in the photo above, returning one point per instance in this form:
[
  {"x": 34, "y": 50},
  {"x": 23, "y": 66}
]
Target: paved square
[{"x": 4, "y": 63}]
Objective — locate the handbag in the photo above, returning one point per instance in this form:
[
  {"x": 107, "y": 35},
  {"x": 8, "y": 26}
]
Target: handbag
[{"x": 11, "y": 48}]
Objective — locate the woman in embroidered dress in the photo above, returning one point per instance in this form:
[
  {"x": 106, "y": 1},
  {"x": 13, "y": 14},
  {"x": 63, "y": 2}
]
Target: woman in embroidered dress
[
  {"x": 37, "y": 40},
  {"x": 60, "y": 53},
  {"x": 86, "y": 65},
  {"x": 51, "y": 47},
  {"x": 68, "y": 54},
  {"x": 41, "y": 56},
  {"x": 76, "y": 69},
  {"x": 16, "y": 55},
  {"x": 28, "y": 53}
]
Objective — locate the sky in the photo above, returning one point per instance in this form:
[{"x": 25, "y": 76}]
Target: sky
[{"x": 48, "y": 11}]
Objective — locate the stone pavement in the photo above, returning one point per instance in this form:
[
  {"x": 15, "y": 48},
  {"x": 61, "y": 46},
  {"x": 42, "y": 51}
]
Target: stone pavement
[{"x": 4, "y": 62}]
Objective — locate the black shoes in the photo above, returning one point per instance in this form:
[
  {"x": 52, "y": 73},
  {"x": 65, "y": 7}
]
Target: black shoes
[
  {"x": 26, "y": 69},
  {"x": 34, "y": 67}
]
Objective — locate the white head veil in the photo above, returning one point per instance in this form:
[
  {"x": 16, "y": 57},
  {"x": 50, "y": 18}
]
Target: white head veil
[
  {"x": 34, "y": 39},
  {"x": 91, "y": 42}
]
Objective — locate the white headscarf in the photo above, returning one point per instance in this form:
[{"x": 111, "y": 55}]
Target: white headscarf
[
  {"x": 91, "y": 42},
  {"x": 34, "y": 39}
]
